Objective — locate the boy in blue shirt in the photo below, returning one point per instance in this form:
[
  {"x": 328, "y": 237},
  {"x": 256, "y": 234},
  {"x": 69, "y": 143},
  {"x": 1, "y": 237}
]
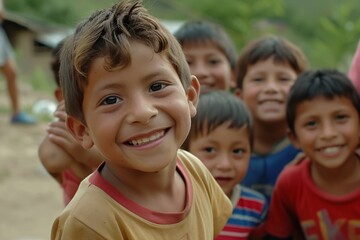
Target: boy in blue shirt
[{"x": 266, "y": 70}]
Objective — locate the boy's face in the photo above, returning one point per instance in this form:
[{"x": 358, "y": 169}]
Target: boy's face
[
  {"x": 265, "y": 89},
  {"x": 210, "y": 66},
  {"x": 226, "y": 153},
  {"x": 327, "y": 131},
  {"x": 137, "y": 116}
]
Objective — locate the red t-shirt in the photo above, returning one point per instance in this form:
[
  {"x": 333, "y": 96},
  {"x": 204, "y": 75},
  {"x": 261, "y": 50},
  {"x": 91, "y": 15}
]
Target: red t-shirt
[
  {"x": 297, "y": 203},
  {"x": 70, "y": 184}
]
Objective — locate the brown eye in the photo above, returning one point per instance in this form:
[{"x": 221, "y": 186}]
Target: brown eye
[
  {"x": 110, "y": 100},
  {"x": 157, "y": 86}
]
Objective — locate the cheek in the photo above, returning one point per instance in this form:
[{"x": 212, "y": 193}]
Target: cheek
[
  {"x": 250, "y": 90},
  {"x": 249, "y": 96},
  {"x": 242, "y": 166},
  {"x": 306, "y": 139},
  {"x": 223, "y": 73}
]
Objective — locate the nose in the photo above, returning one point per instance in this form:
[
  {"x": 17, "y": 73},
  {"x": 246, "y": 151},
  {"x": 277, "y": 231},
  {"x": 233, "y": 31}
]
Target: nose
[
  {"x": 224, "y": 162},
  {"x": 328, "y": 130},
  {"x": 141, "y": 110},
  {"x": 199, "y": 69},
  {"x": 271, "y": 85}
]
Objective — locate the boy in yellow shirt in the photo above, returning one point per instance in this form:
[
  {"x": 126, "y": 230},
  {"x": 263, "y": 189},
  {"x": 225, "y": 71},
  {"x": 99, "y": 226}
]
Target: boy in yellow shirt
[{"x": 128, "y": 91}]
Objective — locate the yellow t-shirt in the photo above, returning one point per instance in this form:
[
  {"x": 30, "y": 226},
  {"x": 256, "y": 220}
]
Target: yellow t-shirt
[{"x": 99, "y": 211}]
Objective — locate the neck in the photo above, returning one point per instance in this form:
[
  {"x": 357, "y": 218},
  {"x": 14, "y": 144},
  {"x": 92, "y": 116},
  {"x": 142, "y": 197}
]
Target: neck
[
  {"x": 149, "y": 189},
  {"x": 129, "y": 180},
  {"x": 267, "y": 136},
  {"x": 339, "y": 181}
]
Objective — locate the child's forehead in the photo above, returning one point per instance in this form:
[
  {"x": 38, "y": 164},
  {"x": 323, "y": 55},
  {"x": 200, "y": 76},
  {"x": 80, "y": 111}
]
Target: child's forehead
[
  {"x": 321, "y": 104},
  {"x": 272, "y": 59},
  {"x": 202, "y": 43},
  {"x": 269, "y": 62},
  {"x": 141, "y": 62},
  {"x": 208, "y": 128}
]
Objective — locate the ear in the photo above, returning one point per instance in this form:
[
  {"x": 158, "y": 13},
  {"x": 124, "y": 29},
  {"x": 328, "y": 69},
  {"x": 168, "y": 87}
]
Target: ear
[
  {"x": 58, "y": 94},
  {"x": 293, "y": 139},
  {"x": 193, "y": 92},
  {"x": 79, "y": 131}
]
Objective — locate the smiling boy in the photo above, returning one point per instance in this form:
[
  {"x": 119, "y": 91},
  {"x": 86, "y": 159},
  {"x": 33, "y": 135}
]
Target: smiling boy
[
  {"x": 210, "y": 53},
  {"x": 221, "y": 137},
  {"x": 267, "y": 68},
  {"x": 130, "y": 94},
  {"x": 319, "y": 197}
]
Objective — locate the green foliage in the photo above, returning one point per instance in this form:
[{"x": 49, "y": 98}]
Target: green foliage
[
  {"x": 326, "y": 30},
  {"x": 67, "y": 12},
  {"x": 339, "y": 36},
  {"x": 238, "y": 17}
]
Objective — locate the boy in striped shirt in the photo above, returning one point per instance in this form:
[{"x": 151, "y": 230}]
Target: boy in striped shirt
[{"x": 221, "y": 137}]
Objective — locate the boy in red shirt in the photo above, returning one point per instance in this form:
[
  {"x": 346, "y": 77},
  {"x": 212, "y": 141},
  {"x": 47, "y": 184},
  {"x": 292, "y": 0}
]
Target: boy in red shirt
[{"x": 319, "y": 197}]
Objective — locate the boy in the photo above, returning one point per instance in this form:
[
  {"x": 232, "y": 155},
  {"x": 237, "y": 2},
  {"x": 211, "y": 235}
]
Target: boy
[
  {"x": 61, "y": 155},
  {"x": 266, "y": 69},
  {"x": 221, "y": 137},
  {"x": 128, "y": 91},
  {"x": 320, "y": 195},
  {"x": 210, "y": 53}
]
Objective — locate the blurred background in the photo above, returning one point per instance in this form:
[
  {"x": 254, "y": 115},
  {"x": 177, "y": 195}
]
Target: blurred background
[{"x": 326, "y": 30}]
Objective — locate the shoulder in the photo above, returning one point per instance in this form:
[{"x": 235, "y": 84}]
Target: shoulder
[
  {"x": 196, "y": 170},
  {"x": 90, "y": 212},
  {"x": 293, "y": 169},
  {"x": 192, "y": 163},
  {"x": 293, "y": 175},
  {"x": 209, "y": 199},
  {"x": 87, "y": 197}
]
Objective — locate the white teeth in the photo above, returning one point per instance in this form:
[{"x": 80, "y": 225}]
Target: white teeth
[
  {"x": 331, "y": 150},
  {"x": 140, "y": 141}
]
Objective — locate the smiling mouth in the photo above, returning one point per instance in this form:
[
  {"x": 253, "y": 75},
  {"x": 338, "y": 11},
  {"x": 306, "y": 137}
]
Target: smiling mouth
[
  {"x": 145, "y": 140},
  {"x": 223, "y": 178},
  {"x": 271, "y": 101},
  {"x": 330, "y": 150}
]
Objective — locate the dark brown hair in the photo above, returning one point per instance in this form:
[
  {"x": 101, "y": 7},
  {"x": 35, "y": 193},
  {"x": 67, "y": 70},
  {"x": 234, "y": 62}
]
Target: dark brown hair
[
  {"x": 282, "y": 50},
  {"x": 107, "y": 33}
]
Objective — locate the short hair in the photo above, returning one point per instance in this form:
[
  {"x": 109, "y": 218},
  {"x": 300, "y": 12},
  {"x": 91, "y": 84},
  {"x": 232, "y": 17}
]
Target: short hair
[
  {"x": 328, "y": 83},
  {"x": 55, "y": 61},
  {"x": 201, "y": 31},
  {"x": 107, "y": 33},
  {"x": 216, "y": 108},
  {"x": 260, "y": 49}
]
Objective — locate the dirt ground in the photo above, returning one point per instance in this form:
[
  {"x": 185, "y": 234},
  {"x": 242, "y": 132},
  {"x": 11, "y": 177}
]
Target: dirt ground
[{"x": 29, "y": 198}]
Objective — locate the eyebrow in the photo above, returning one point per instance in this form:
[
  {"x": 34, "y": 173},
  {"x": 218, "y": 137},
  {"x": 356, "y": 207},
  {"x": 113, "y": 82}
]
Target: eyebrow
[{"x": 147, "y": 77}]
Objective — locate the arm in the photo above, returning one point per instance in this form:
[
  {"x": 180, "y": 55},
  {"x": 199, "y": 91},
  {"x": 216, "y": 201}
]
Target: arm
[
  {"x": 53, "y": 158},
  {"x": 83, "y": 161},
  {"x": 80, "y": 160},
  {"x": 60, "y": 151}
]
